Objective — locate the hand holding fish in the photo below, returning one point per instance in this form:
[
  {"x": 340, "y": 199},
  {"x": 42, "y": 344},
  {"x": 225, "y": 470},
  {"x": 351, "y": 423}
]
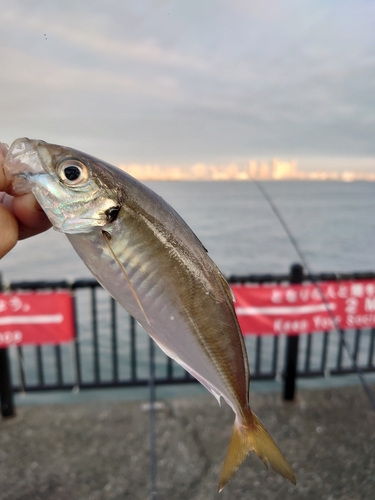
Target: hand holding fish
[
  {"x": 152, "y": 263},
  {"x": 20, "y": 216}
]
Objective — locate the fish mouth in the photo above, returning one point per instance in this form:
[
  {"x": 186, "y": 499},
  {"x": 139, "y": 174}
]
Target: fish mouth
[{"x": 21, "y": 162}]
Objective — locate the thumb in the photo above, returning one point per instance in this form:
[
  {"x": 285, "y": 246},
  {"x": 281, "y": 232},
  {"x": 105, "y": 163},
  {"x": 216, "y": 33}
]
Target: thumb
[{"x": 9, "y": 231}]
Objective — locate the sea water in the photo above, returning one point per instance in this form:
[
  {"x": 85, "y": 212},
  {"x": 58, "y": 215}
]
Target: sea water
[{"x": 332, "y": 223}]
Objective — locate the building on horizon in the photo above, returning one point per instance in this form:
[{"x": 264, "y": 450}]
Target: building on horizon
[
  {"x": 284, "y": 169},
  {"x": 274, "y": 169}
]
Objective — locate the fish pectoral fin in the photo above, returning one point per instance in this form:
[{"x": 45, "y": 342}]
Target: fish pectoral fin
[
  {"x": 107, "y": 239},
  {"x": 253, "y": 436}
]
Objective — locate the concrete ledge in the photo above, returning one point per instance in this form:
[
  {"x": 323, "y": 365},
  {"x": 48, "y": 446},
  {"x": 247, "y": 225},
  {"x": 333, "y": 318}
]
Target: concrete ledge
[{"x": 100, "y": 450}]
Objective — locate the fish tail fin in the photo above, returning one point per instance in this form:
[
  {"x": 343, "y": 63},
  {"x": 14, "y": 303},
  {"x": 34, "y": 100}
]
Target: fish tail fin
[{"x": 249, "y": 436}]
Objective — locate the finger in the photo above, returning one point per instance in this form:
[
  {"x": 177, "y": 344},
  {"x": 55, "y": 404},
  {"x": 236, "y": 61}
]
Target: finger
[
  {"x": 9, "y": 231},
  {"x": 31, "y": 218},
  {"x": 4, "y": 181}
]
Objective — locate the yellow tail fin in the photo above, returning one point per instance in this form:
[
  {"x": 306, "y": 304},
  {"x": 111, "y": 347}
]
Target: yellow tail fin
[{"x": 248, "y": 437}]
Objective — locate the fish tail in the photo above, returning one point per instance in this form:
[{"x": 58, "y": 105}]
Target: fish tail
[{"x": 249, "y": 436}]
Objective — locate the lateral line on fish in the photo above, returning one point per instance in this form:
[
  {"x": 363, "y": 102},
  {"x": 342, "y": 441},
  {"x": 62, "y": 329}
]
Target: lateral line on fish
[
  {"x": 201, "y": 338},
  {"x": 107, "y": 239},
  {"x": 199, "y": 334}
]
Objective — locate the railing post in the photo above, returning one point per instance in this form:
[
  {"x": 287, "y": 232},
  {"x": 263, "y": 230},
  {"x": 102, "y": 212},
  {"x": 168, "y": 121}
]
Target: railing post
[
  {"x": 296, "y": 277},
  {"x": 6, "y": 393}
]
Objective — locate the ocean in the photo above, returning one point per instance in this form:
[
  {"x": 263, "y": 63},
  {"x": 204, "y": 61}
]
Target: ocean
[{"x": 332, "y": 222}]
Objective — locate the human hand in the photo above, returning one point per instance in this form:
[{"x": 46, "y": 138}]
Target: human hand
[{"x": 20, "y": 216}]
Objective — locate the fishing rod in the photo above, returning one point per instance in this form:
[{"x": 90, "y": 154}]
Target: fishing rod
[{"x": 311, "y": 277}]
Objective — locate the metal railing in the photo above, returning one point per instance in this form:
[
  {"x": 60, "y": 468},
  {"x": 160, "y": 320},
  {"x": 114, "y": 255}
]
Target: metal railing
[{"x": 112, "y": 350}]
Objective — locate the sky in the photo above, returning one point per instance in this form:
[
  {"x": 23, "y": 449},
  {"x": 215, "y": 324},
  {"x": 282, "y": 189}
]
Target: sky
[{"x": 192, "y": 81}]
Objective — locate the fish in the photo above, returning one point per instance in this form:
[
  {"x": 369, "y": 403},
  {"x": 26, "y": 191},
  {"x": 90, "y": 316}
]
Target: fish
[{"x": 140, "y": 250}]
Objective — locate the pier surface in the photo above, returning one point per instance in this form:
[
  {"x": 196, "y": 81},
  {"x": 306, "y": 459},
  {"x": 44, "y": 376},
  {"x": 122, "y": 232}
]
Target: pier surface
[{"x": 100, "y": 450}]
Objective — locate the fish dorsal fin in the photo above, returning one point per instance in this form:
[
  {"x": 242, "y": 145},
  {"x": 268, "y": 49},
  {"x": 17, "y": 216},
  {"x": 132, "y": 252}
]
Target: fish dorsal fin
[{"x": 107, "y": 239}]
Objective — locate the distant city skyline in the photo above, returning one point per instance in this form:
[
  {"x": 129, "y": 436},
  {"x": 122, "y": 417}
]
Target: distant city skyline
[{"x": 274, "y": 169}]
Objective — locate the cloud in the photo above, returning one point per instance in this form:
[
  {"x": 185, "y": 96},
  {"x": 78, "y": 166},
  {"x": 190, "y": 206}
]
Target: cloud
[{"x": 162, "y": 81}]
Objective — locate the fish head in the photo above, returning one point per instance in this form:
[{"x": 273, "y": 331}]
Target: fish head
[{"x": 76, "y": 191}]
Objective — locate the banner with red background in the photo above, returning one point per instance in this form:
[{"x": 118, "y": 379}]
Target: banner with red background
[
  {"x": 36, "y": 318},
  {"x": 294, "y": 309}
]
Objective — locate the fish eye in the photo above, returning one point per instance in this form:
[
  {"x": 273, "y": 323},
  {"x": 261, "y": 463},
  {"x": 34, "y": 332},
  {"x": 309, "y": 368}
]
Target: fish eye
[{"x": 73, "y": 172}]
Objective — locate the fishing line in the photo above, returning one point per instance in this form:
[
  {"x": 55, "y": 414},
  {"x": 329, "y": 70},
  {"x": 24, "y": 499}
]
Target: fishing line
[
  {"x": 107, "y": 239},
  {"x": 306, "y": 265},
  {"x": 152, "y": 418}
]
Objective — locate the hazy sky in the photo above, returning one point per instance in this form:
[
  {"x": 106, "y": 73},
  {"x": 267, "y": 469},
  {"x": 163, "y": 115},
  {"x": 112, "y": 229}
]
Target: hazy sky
[{"x": 192, "y": 81}]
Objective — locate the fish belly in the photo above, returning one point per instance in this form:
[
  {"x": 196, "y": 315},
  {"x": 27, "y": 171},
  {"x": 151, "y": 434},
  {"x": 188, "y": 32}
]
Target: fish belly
[{"x": 166, "y": 319}]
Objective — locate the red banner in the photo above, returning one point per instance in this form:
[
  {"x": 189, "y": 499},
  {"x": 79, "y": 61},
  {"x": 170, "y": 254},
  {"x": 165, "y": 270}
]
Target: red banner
[
  {"x": 36, "y": 318},
  {"x": 294, "y": 309}
]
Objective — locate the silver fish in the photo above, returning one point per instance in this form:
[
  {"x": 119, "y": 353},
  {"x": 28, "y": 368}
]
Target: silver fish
[{"x": 152, "y": 263}]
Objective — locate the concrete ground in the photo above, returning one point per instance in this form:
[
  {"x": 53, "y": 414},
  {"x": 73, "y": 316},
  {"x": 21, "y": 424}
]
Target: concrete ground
[{"x": 100, "y": 450}]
